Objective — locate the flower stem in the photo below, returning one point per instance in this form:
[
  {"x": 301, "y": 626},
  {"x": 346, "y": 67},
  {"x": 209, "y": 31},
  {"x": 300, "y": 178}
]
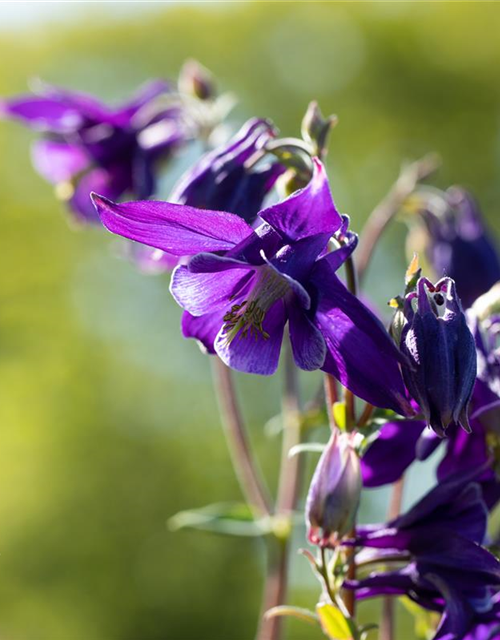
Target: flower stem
[
  {"x": 385, "y": 211},
  {"x": 288, "y": 491},
  {"x": 387, "y": 625},
  {"x": 249, "y": 476},
  {"x": 331, "y": 397}
]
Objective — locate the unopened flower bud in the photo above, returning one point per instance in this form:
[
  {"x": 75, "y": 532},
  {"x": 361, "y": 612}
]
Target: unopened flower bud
[
  {"x": 441, "y": 368},
  {"x": 333, "y": 498},
  {"x": 197, "y": 81},
  {"x": 316, "y": 128}
]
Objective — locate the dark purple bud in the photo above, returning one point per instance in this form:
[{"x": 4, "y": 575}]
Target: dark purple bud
[
  {"x": 333, "y": 498},
  {"x": 460, "y": 246},
  {"x": 441, "y": 371},
  {"x": 221, "y": 181}
]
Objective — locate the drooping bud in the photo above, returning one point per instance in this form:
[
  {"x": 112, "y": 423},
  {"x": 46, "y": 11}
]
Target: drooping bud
[
  {"x": 333, "y": 498},
  {"x": 197, "y": 81},
  {"x": 440, "y": 348}
]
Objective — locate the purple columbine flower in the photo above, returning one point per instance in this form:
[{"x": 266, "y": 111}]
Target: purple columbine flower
[
  {"x": 246, "y": 284},
  {"x": 460, "y": 246},
  {"x": 441, "y": 353},
  {"x": 439, "y": 543},
  {"x": 334, "y": 493},
  {"x": 87, "y": 146}
]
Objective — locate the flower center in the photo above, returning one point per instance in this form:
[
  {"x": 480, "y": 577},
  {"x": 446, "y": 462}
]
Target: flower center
[{"x": 247, "y": 317}]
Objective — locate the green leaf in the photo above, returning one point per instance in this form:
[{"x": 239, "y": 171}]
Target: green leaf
[
  {"x": 229, "y": 518},
  {"x": 293, "y": 612},
  {"x": 315, "y": 447},
  {"x": 333, "y": 622}
]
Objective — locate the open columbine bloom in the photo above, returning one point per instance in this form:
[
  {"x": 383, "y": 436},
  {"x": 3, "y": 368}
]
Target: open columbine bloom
[
  {"x": 246, "y": 284},
  {"x": 440, "y": 539},
  {"x": 441, "y": 353},
  {"x": 87, "y": 146}
]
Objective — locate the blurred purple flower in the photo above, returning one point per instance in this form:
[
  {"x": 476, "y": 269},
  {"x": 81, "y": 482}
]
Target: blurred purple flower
[
  {"x": 246, "y": 284},
  {"x": 87, "y": 146},
  {"x": 220, "y": 180},
  {"x": 460, "y": 246}
]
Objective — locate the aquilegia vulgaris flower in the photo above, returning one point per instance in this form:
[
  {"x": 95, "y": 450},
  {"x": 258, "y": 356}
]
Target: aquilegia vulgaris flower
[
  {"x": 87, "y": 146},
  {"x": 244, "y": 284}
]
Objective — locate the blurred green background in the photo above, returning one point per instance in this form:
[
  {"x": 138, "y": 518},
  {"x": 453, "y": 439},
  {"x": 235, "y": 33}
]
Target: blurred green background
[{"x": 108, "y": 425}]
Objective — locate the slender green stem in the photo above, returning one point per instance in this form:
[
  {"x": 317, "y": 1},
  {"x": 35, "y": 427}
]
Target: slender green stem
[
  {"x": 323, "y": 570},
  {"x": 245, "y": 466},
  {"x": 385, "y": 211},
  {"x": 288, "y": 491}
]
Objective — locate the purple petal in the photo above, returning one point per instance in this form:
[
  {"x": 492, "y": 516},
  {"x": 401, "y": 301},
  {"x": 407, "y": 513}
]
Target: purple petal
[
  {"x": 144, "y": 94},
  {"x": 255, "y": 353},
  {"x": 307, "y": 212},
  {"x": 308, "y": 345},
  {"x": 391, "y": 453},
  {"x": 377, "y": 584},
  {"x": 455, "y": 504},
  {"x": 297, "y": 259},
  {"x": 58, "y": 161},
  {"x": 202, "y": 328},
  {"x": 361, "y": 354},
  {"x": 176, "y": 229},
  {"x": 42, "y": 114},
  {"x": 210, "y": 263},
  {"x": 202, "y": 293},
  {"x": 113, "y": 183},
  {"x": 337, "y": 257},
  {"x": 88, "y": 107}
]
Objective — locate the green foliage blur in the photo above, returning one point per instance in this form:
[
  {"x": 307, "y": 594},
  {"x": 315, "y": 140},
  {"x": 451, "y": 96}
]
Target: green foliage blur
[{"x": 108, "y": 426}]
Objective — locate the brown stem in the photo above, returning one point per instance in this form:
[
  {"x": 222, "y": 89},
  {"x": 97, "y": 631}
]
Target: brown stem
[
  {"x": 366, "y": 415},
  {"x": 387, "y": 622},
  {"x": 245, "y": 466},
  {"x": 288, "y": 491},
  {"x": 383, "y": 213},
  {"x": 331, "y": 397}
]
